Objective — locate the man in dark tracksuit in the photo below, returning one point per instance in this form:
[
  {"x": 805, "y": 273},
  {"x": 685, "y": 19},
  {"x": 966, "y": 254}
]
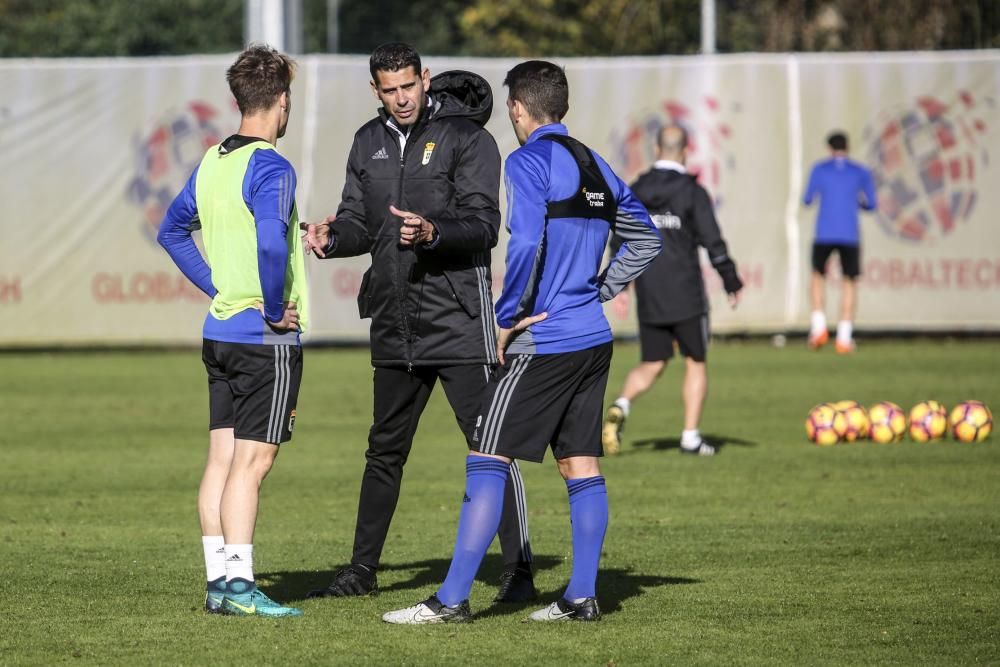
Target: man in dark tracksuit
[
  {"x": 672, "y": 304},
  {"x": 421, "y": 195}
]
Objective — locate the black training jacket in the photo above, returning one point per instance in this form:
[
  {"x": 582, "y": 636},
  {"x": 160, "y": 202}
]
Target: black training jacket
[
  {"x": 672, "y": 288},
  {"x": 431, "y": 305}
]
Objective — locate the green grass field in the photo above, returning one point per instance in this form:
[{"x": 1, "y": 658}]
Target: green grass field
[{"x": 773, "y": 552}]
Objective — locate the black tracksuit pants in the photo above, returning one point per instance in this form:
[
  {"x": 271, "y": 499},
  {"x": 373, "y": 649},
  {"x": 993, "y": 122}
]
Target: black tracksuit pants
[{"x": 400, "y": 398}]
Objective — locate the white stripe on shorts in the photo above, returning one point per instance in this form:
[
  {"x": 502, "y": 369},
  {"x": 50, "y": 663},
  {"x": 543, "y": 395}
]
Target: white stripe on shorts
[
  {"x": 501, "y": 399},
  {"x": 279, "y": 397}
]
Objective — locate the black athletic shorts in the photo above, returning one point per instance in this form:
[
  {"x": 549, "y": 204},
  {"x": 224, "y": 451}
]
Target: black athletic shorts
[
  {"x": 656, "y": 341},
  {"x": 850, "y": 258},
  {"x": 538, "y": 400},
  {"x": 253, "y": 389}
]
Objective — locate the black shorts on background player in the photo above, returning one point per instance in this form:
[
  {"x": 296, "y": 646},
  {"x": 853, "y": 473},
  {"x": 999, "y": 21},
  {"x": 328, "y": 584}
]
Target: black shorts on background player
[
  {"x": 657, "y": 340},
  {"x": 540, "y": 399},
  {"x": 253, "y": 389},
  {"x": 850, "y": 258}
]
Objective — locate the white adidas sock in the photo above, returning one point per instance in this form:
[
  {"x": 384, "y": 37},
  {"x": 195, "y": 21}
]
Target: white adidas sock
[
  {"x": 214, "y": 547},
  {"x": 624, "y": 404},
  {"x": 690, "y": 438},
  {"x": 845, "y": 330},
  {"x": 239, "y": 562},
  {"x": 818, "y": 322}
]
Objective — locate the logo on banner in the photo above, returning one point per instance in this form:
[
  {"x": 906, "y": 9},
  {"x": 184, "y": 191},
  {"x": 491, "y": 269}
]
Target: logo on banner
[
  {"x": 165, "y": 156},
  {"x": 926, "y": 160},
  {"x": 709, "y": 155}
]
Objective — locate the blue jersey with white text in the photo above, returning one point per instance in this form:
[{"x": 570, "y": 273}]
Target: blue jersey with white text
[{"x": 553, "y": 263}]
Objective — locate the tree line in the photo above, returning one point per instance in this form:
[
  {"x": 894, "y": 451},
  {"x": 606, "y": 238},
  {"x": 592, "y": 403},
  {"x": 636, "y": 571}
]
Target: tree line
[{"x": 520, "y": 28}]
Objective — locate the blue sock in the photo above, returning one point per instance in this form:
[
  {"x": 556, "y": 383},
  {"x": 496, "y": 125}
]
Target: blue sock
[
  {"x": 588, "y": 512},
  {"x": 485, "y": 479}
]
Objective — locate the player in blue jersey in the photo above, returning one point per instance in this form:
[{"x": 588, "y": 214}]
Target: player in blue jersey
[
  {"x": 242, "y": 197},
  {"x": 554, "y": 343},
  {"x": 842, "y": 186}
]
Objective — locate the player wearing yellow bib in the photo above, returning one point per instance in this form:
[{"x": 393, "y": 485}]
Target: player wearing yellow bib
[{"x": 242, "y": 197}]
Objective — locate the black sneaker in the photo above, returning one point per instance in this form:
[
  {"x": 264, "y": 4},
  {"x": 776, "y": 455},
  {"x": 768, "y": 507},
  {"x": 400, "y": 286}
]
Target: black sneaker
[
  {"x": 701, "y": 449},
  {"x": 352, "y": 580},
  {"x": 564, "y": 610},
  {"x": 430, "y": 611},
  {"x": 516, "y": 585}
]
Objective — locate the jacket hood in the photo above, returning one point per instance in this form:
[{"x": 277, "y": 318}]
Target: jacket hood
[{"x": 459, "y": 93}]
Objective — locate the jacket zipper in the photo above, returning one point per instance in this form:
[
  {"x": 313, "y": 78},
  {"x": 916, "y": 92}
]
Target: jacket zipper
[
  {"x": 401, "y": 287},
  {"x": 400, "y": 291}
]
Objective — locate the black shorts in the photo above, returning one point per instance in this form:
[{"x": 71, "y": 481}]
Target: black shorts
[
  {"x": 538, "y": 400},
  {"x": 253, "y": 389},
  {"x": 656, "y": 341},
  {"x": 850, "y": 258}
]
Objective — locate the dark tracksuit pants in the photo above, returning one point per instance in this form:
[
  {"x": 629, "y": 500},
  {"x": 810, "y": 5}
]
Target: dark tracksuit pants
[{"x": 400, "y": 398}]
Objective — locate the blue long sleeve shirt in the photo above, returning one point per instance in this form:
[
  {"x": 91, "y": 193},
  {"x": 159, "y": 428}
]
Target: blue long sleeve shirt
[
  {"x": 554, "y": 265},
  {"x": 842, "y": 186},
  {"x": 267, "y": 187}
]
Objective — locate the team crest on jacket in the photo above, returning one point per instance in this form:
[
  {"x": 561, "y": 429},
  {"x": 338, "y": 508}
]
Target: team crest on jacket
[{"x": 428, "y": 151}]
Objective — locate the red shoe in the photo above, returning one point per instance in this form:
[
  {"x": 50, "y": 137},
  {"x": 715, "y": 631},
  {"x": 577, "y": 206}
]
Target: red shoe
[{"x": 818, "y": 340}]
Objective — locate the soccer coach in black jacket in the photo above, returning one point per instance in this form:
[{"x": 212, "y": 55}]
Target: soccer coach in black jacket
[
  {"x": 672, "y": 304},
  {"x": 421, "y": 195}
]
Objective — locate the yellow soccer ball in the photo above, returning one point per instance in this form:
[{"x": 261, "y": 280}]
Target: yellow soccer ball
[
  {"x": 855, "y": 420},
  {"x": 971, "y": 421},
  {"x": 825, "y": 425},
  {"x": 928, "y": 421},
  {"x": 887, "y": 422}
]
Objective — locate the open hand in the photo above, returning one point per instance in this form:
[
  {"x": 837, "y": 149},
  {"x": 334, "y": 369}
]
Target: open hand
[{"x": 317, "y": 236}]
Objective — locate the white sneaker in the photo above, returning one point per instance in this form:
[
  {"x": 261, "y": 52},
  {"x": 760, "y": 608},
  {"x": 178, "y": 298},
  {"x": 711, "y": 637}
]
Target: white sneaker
[
  {"x": 702, "y": 448},
  {"x": 564, "y": 610},
  {"x": 430, "y": 611}
]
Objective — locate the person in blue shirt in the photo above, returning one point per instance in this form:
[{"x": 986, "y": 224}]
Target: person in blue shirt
[
  {"x": 842, "y": 186},
  {"x": 242, "y": 198},
  {"x": 554, "y": 343}
]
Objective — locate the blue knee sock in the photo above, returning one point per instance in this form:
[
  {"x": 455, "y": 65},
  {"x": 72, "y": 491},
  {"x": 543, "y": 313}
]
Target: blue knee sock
[
  {"x": 588, "y": 512},
  {"x": 485, "y": 479}
]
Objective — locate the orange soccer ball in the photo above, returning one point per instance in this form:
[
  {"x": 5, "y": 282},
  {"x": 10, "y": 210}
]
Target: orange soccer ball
[
  {"x": 825, "y": 425},
  {"x": 887, "y": 422},
  {"x": 928, "y": 421},
  {"x": 971, "y": 421},
  {"x": 855, "y": 420}
]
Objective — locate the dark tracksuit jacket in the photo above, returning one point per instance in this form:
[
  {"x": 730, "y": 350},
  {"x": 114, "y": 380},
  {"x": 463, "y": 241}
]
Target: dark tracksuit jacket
[
  {"x": 672, "y": 289},
  {"x": 432, "y": 305}
]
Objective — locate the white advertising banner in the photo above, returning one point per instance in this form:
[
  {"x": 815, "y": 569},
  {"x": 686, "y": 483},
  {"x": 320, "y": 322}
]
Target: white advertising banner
[
  {"x": 926, "y": 124},
  {"x": 93, "y": 151}
]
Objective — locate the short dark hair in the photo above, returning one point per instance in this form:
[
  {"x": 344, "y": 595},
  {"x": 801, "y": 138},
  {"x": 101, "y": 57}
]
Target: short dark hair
[
  {"x": 258, "y": 78},
  {"x": 541, "y": 87},
  {"x": 837, "y": 141},
  {"x": 393, "y": 57}
]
